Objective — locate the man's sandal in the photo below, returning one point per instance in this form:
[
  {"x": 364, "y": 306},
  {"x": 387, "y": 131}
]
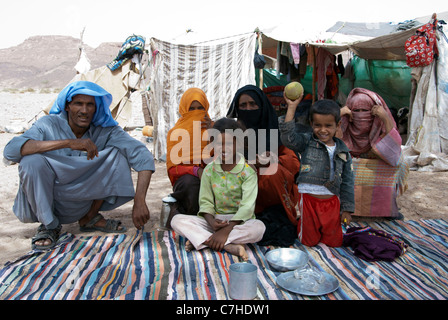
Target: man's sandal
[
  {"x": 112, "y": 226},
  {"x": 46, "y": 234}
]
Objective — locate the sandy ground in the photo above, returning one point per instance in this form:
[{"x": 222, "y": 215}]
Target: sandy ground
[{"x": 424, "y": 199}]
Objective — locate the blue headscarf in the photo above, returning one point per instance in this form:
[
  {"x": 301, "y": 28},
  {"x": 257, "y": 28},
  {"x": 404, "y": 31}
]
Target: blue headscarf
[{"x": 103, "y": 99}]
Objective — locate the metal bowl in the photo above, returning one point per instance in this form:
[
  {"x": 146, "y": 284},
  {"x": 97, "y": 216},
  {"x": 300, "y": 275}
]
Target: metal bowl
[{"x": 287, "y": 259}]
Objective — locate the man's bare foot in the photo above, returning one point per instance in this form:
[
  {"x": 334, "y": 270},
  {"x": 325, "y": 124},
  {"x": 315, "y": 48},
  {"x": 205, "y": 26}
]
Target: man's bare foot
[
  {"x": 237, "y": 250},
  {"x": 189, "y": 246}
]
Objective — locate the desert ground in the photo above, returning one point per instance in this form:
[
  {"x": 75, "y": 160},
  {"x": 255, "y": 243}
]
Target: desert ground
[{"x": 425, "y": 197}]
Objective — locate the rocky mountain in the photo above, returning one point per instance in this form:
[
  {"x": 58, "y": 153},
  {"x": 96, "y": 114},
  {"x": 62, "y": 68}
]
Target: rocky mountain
[{"x": 48, "y": 61}]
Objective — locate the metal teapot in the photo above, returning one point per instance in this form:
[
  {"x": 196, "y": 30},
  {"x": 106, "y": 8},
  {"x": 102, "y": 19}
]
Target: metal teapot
[{"x": 167, "y": 203}]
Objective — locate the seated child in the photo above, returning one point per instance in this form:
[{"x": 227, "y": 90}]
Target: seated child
[
  {"x": 325, "y": 181},
  {"x": 227, "y": 195}
]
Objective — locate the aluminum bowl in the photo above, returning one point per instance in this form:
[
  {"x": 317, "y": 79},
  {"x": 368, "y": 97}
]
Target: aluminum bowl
[{"x": 287, "y": 259}]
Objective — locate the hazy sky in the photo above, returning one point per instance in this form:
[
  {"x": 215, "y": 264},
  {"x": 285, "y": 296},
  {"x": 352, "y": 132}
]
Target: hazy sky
[{"x": 167, "y": 19}]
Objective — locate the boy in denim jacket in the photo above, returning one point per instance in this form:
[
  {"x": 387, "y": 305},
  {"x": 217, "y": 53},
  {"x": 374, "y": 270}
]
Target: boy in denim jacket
[{"x": 325, "y": 181}]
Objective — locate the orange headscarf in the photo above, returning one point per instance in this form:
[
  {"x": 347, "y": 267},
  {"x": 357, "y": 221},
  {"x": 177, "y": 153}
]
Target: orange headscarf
[{"x": 185, "y": 122}]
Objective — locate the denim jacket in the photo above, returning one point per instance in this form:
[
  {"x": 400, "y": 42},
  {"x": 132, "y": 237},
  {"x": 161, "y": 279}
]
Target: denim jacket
[{"x": 315, "y": 163}]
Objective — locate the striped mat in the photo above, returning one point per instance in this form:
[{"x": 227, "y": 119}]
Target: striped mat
[
  {"x": 420, "y": 274},
  {"x": 155, "y": 266}
]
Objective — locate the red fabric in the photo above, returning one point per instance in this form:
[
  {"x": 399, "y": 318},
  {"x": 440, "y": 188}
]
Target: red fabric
[
  {"x": 320, "y": 221},
  {"x": 421, "y": 48},
  {"x": 176, "y": 172},
  {"x": 280, "y": 187},
  {"x": 365, "y": 130}
]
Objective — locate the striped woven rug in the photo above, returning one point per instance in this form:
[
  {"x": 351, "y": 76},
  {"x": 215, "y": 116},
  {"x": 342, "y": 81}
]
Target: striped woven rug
[{"x": 155, "y": 266}]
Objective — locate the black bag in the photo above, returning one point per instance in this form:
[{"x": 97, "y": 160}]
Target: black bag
[{"x": 259, "y": 60}]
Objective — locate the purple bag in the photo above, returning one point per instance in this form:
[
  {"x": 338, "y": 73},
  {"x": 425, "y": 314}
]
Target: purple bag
[{"x": 373, "y": 245}]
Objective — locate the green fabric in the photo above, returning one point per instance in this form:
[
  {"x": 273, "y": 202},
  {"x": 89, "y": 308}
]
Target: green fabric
[{"x": 390, "y": 79}]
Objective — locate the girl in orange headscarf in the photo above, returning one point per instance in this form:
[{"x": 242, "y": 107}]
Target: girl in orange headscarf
[{"x": 185, "y": 148}]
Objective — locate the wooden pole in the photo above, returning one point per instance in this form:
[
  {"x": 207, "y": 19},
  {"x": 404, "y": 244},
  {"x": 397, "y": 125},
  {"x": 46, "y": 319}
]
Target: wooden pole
[
  {"x": 260, "y": 51},
  {"x": 314, "y": 74}
]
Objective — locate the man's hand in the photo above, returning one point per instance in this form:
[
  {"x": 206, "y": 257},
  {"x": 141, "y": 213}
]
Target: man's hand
[
  {"x": 140, "y": 211},
  {"x": 37, "y": 146},
  {"x": 140, "y": 214},
  {"x": 85, "y": 145}
]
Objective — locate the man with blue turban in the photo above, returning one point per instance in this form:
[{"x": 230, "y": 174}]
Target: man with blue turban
[{"x": 75, "y": 162}]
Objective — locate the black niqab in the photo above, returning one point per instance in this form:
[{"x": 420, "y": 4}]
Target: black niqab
[{"x": 263, "y": 118}]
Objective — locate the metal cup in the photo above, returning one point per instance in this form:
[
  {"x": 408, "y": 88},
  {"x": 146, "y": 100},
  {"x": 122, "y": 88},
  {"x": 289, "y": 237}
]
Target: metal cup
[{"x": 243, "y": 281}]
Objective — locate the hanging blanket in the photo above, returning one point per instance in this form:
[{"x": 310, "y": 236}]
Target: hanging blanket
[
  {"x": 218, "y": 69},
  {"x": 155, "y": 266}
]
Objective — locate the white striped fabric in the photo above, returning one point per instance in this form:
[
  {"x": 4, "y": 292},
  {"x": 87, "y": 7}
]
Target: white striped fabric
[{"x": 219, "y": 70}]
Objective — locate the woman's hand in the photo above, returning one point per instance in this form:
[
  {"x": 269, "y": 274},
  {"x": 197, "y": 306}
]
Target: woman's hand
[
  {"x": 380, "y": 112},
  {"x": 345, "y": 111},
  {"x": 206, "y": 123}
]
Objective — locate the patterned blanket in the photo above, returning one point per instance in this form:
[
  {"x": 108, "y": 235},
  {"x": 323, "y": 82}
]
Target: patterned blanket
[
  {"x": 377, "y": 185},
  {"x": 155, "y": 266}
]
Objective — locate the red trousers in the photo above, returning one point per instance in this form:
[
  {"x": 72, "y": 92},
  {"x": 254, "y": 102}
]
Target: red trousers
[{"x": 320, "y": 221}]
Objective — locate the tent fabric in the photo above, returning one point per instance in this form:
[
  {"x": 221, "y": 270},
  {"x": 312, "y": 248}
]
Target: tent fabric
[
  {"x": 367, "y": 29},
  {"x": 371, "y": 41},
  {"x": 387, "y": 47},
  {"x": 219, "y": 70},
  {"x": 116, "y": 83},
  {"x": 427, "y": 145},
  {"x": 390, "y": 79}
]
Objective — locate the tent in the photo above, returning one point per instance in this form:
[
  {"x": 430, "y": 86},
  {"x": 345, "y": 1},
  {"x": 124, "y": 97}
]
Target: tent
[
  {"x": 372, "y": 45},
  {"x": 379, "y": 50},
  {"x": 218, "y": 69},
  {"x": 427, "y": 145},
  {"x": 221, "y": 67}
]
